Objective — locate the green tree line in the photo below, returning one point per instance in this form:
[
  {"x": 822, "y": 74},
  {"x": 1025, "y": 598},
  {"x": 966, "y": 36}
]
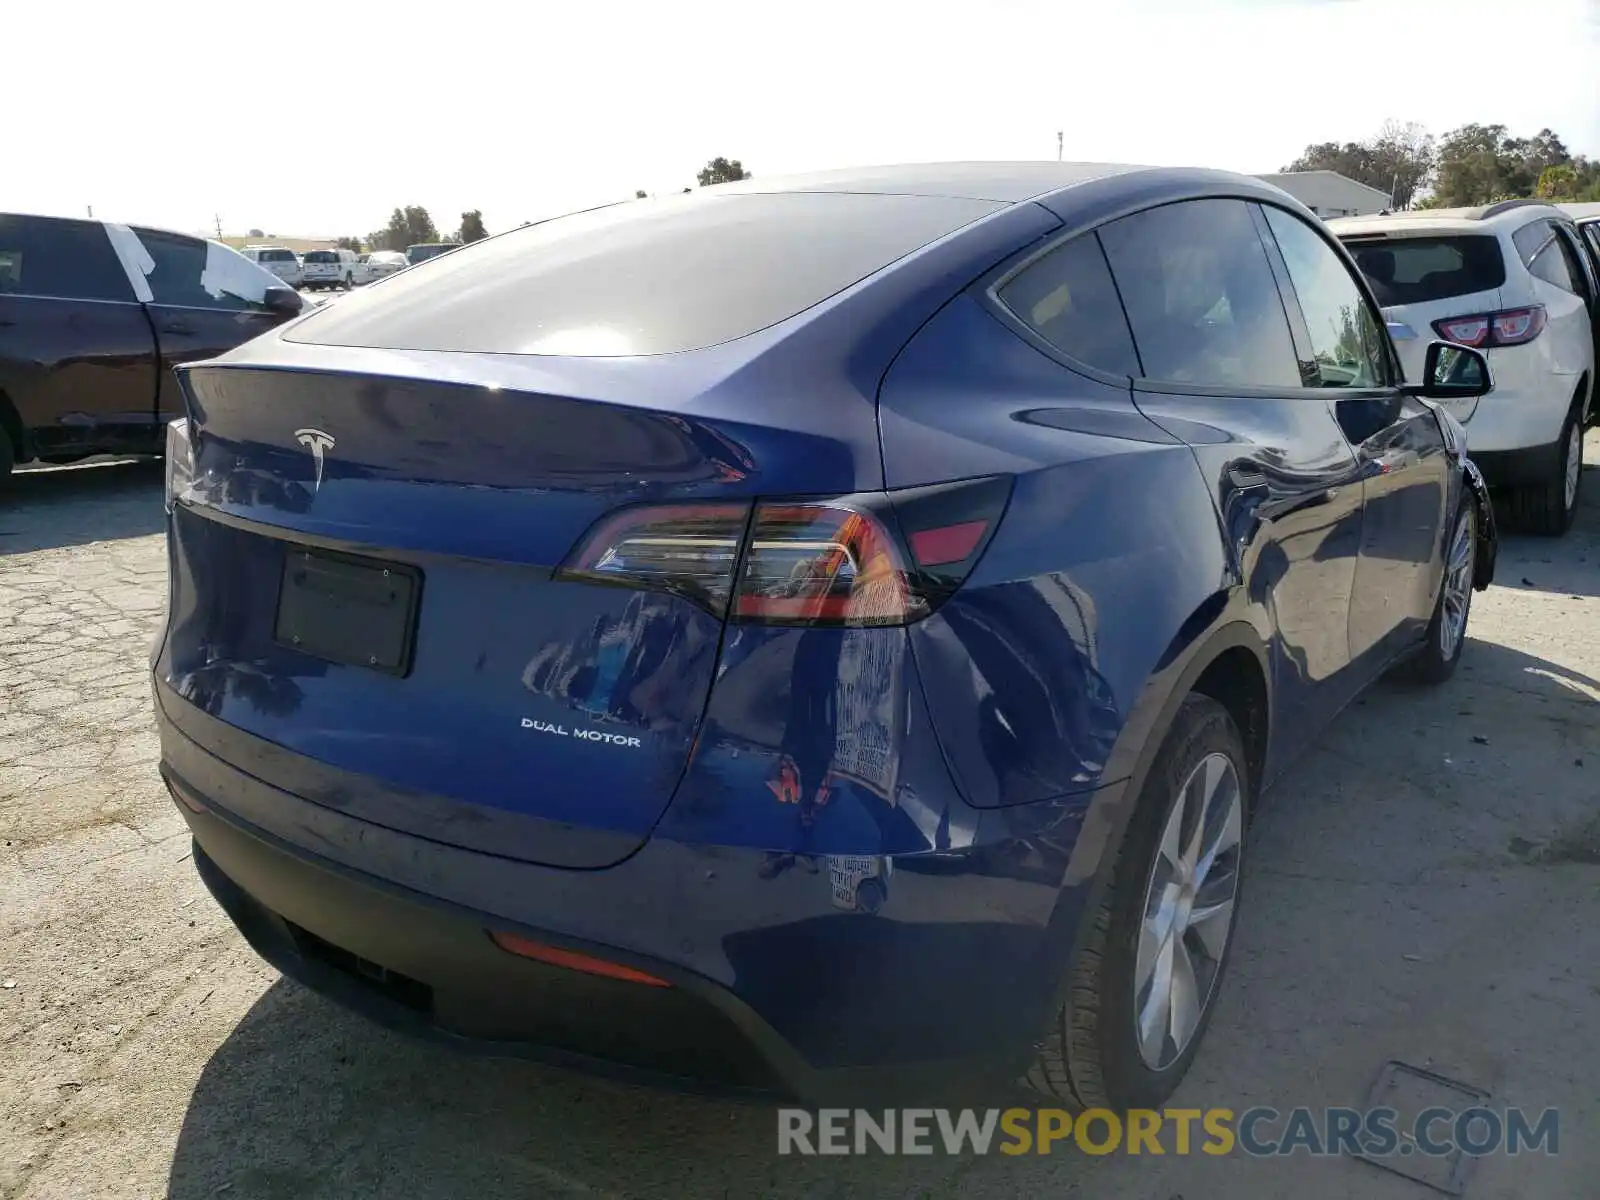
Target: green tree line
[{"x": 1473, "y": 165}]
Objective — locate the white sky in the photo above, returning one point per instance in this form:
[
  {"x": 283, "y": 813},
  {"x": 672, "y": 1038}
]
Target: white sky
[{"x": 312, "y": 119}]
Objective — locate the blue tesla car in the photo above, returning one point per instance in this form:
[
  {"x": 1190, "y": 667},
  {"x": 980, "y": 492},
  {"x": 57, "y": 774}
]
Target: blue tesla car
[{"x": 824, "y": 636}]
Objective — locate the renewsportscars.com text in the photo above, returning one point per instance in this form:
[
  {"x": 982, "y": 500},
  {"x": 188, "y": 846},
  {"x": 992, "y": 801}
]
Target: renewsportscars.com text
[{"x": 1259, "y": 1132}]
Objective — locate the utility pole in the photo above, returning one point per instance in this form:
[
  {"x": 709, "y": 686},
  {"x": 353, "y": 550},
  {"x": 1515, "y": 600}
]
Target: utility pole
[
  {"x": 1060, "y": 135},
  {"x": 91, "y": 212},
  {"x": 218, "y": 219}
]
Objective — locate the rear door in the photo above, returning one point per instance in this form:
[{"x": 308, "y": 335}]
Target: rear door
[
  {"x": 77, "y": 357},
  {"x": 1425, "y": 278},
  {"x": 1586, "y": 272},
  {"x": 1560, "y": 284},
  {"x": 203, "y": 299},
  {"x": 1221, "y": 372},
  {"x": 1405, "y": 471}
]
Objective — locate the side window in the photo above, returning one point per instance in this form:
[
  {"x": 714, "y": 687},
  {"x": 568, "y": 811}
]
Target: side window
[
  {"x": 1592, "y": 232},
  {"x": 1540, "y": 248},
  {"x": 1068, "y": 299},
  {"x": 191, "y": 273},
  {"x": 1578, "y": 266},
  {"x": 66, "y": 259},
  {"x": 1346, "y": 342},
  {"x": 1201, "y": 297}
]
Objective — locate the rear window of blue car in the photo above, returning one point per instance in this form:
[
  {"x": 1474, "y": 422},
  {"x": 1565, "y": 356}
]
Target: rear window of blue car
[{"x": 643, "y": 277}]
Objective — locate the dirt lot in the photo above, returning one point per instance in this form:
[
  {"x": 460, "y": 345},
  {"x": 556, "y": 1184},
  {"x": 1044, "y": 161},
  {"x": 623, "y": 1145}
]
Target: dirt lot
[{"x": 1424, "y": 887}]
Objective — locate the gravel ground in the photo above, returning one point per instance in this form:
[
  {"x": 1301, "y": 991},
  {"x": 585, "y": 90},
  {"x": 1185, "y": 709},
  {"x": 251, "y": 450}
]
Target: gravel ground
[{"x": 1423, "y": 887}]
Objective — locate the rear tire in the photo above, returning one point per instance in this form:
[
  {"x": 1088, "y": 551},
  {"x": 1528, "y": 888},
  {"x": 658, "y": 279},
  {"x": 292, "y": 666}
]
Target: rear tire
[
  {"x": 1447, "y": 631},
  {"x": 1110, "y": 1046},
  {"x": 1548, "y": 508}
]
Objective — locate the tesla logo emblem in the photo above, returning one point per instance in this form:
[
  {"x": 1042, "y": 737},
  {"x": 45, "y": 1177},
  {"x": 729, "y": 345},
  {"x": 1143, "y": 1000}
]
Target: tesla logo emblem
[{"x": 318, "y": 443}]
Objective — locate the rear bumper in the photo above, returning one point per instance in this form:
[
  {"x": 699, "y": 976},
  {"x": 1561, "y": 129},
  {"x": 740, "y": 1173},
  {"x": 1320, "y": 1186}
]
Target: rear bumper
[
  {"x": 1527, "y": 407},
  {"x": 1517, "y": 468},
  {"x": 932, "y": 984}
]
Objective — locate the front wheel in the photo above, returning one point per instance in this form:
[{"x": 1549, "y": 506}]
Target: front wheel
[
  {"x": 1447, "y": 631},
  {"x": 1148, "y": 974}
]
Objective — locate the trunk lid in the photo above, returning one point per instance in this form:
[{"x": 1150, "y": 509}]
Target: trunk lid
[{"x": 521, "y": 714}]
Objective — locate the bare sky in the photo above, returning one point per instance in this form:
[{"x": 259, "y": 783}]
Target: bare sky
[{"x": 314, "y": 119}]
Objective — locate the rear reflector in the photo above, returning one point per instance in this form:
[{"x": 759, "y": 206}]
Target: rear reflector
[
  {"x": 1509, "y": 327},
  {"x": 869, "y": 559},
  {"x": 571, "y": 960},
  {"x": 192, "y": 803},
  {"x": 950, "y": 544}
]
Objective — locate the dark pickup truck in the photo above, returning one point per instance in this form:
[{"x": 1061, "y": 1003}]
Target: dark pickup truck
[{"x": 94, "y": 316}]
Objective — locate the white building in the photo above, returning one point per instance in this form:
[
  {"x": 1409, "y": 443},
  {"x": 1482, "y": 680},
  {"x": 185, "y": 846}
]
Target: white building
[{"x": 1330, "y": 194}]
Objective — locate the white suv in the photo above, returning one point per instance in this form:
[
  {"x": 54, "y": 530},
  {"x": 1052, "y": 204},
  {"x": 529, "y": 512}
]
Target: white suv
[
  {"x": 1513, "y": 280},
  {"x": 330, "y": 269},
  {"x": 280, "y": 260}
]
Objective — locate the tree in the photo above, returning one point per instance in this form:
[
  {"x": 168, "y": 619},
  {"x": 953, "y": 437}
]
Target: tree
[
  {"x": 349, "y": 243},
  {"x": 1398, "y": 160},
  {"x": 472, "y": 227},
  {"x": 407, "y": 226},
  {"x": 1479, "y": 163},
  {"x": 638, "y": 193},
  {"x": 257, "y": 233},
  {"x": 722, "y": 170},
  {"x": 1559, "y": 182}
]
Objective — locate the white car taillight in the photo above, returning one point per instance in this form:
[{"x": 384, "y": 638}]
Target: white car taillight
[
  {"x": 1509, "y": 327},
  {"x": 180, "y": 461}
]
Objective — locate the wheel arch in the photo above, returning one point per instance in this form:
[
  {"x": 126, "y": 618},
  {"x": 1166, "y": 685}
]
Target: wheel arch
[{"x": 1227, "y": 661}]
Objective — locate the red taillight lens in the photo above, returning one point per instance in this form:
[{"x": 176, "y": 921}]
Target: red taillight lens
[
  {"x": 1509, "y": 327},
  {"x": 1464, "y": 331},
  {"x": 872, "y": 559},
  {"x": 555, "y": 956},
  {"x": 1516, "y": 326},
  {"x": 812, "y": 564}
]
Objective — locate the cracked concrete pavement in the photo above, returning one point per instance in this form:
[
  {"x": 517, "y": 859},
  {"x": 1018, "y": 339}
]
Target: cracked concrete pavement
[{"x": 1424, "y": 886}]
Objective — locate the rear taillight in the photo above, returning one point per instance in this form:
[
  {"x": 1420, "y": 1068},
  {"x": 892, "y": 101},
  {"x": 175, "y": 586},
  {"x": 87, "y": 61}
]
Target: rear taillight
[
  {"x": 861, "y": 560},
  {"x": 572, "y": 960},
  {"x": 1509, "y": 327},
  {"x": 687, "y": 549},
  {"x": 825, "y": 564},
  {"x": 180, "y": 461}
]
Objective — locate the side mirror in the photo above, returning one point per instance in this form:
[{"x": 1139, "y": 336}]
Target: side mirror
[
  {"x": 1452, "y": 372},
  {"x": 283, "y": 300}
]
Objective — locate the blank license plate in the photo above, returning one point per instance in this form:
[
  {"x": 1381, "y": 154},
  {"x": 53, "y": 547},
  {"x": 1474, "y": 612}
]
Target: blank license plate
[{"x": 356, "y": 611}]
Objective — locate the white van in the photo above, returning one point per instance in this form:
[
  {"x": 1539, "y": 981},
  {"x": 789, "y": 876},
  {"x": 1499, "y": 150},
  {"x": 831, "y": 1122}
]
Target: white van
[
  {"x": 330, "y": 268},
  {"x": 280, "y": 260}
]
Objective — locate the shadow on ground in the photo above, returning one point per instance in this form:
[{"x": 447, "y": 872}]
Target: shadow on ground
[
  {"x": 51, "y": 507},
  {"x": 1412, "y": 789},
  {"x": 1547, "y": 564}
]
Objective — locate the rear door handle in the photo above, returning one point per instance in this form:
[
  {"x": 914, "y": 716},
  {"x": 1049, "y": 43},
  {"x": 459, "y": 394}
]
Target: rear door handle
[{"x": 180, "y": 330}]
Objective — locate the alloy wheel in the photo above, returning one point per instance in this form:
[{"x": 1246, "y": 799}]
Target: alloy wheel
[
  {"x": 1188, "y": 911},
  {"x": 1457, "y": 587}
]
